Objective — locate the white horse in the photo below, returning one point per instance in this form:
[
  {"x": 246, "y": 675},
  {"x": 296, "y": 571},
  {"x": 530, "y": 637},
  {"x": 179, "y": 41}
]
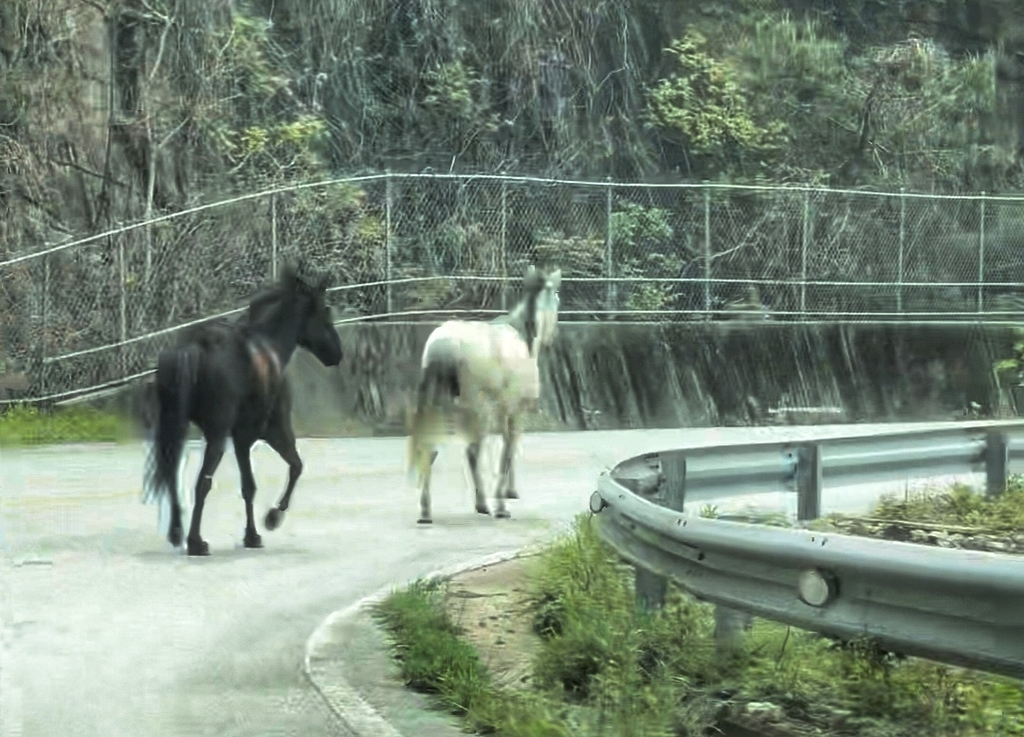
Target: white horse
[{"x": 474, "y": 372}]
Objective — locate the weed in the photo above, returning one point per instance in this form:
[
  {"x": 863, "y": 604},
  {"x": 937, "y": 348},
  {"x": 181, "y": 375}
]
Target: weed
[
  {"x": 433, "y": 658},
  {"x": 960, "y": 505},
  {"x": 606, "y": 667},
  {"x": 27, "y": 425}
]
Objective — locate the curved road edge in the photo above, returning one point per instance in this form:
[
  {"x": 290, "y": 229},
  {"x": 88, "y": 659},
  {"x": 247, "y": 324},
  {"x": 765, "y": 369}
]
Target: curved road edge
[{"x": 324, "y": 661}]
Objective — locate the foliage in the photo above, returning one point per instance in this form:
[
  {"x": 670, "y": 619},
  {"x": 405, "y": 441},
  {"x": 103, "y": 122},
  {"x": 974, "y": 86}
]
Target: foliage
[
  {"x": 199, "y": 101},
  {"x": 28, "y": 425},
  {"x": 606, "y": 667},
  {"x": 906, "y": 112},
  {"x": 625, "y": 665},
  {"x": 796, "y": 73},
  {"x": 435, "y": 660},
  {"x": 644, "y": 247},
  {"x": 702, "y": 103},
  {"x": 1011, "y": 370},
  {"x": 960, "y": 505}
]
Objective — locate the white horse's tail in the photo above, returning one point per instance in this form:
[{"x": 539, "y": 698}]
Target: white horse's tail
[{"x": 438, "y": 388}]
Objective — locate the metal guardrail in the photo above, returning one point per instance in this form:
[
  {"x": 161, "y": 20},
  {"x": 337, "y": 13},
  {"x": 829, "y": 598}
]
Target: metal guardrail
[{"x": 958, "y": 607}]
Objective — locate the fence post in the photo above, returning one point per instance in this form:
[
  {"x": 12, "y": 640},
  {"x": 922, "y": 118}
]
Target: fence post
[
  {"x": 803, "y": 254},
  {"x": 902, "y": 249},
  {"x": 45, "y": 320},
  {"x": 707, "y": 250},
  {"x": 981, "y": 253},
  {"x": 387, "y": 240},
  {"x": 650, "y": 587},
  {"x": 503, "y": 255},
  {"x": 808, "y": 482},
  {"x": 997, "y": 459},
  {"x": 123, "y": 279},
  {"x": 273, "y": 237},
  {"x": 610, "y": 296}
]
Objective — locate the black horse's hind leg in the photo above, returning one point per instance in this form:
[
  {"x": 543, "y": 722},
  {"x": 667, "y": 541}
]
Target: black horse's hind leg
[
  {"x": 176, "y": 531},
  {"x": 242, "y": 449},
  {"x": 211, "y": 459},
  {"x": 281, "y": 437}
]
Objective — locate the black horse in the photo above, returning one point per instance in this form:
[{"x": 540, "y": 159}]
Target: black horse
[{"x": 228, "y": 378}]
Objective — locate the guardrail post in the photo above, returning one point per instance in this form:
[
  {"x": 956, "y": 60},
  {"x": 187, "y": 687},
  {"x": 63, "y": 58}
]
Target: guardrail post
[
  {"x": 650, "y": 587},
  {"x": 673, "y": 468},
  {"x": 808, "y": 482},
  {"x": 997, "y": 457},
  {"x": 730, "y": 625}
]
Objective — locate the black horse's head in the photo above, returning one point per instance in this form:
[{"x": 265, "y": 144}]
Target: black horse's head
[{"x": 316, "y": 331}]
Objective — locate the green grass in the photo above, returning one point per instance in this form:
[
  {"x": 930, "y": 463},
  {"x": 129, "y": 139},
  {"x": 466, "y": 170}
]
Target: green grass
[
  {"x": 26, "y": 425},
  {"x": 434, "y": 659},
  {"x": 960, "y": 505},
  {"x": 607, "y": 668}
]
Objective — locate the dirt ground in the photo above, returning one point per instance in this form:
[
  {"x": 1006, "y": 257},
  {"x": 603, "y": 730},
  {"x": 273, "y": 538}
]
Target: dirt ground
[{"x": 490, "y": 605}]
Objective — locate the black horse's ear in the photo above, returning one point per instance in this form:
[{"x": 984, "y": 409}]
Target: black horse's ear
[
  {"x": 324, "y": 281},
  {"x": 289, "y": 274}
]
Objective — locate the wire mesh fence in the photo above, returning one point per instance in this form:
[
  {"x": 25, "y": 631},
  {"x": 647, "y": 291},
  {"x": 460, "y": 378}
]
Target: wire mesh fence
[{"x": 94, "y": 312}]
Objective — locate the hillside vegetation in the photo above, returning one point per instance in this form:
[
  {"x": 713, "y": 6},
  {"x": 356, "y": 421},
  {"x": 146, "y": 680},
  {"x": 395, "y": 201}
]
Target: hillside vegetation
[{"x": 112, "y": 111}]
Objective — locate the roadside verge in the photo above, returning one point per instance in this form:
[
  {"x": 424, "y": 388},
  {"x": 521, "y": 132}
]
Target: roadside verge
[{"x": 349, "y": 665}]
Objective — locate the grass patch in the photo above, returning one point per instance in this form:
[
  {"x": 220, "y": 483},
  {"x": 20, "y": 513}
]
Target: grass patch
[
  {"x": 960, "y": 505},
  {"x": 24, "y": 424},
  {"x": 434, "y": 659},
  {"x": 607, "y": 668}
]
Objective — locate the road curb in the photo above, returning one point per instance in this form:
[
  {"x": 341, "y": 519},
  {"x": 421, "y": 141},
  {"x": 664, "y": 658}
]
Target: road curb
[{"x": 342, "y": 697}]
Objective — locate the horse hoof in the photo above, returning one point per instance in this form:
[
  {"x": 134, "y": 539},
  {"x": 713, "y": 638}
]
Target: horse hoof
[
  {"x": 273, "y": 519},
  {"x": 253, "y": 541},
  {"x": 502, "y": 514},
  {"x": 512, "y": 494},
  {"x": 424, "y": 521},
  {"x": 174, "y": 537},
  {"x": 198, "y": 547},
  {"x": 483, "y": 510}
]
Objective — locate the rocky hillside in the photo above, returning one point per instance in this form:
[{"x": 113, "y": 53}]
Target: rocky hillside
[{"x": 112, "y": 111}]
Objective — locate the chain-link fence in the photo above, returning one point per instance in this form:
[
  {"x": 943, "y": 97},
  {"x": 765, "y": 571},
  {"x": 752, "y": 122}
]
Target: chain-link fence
[{"x": 94, "y": 312}]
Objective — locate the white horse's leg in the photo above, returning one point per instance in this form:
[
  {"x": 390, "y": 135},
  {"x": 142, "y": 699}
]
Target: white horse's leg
[
  {"x": 475, "y": 437},
  {"x": 513, "y": 446},
  {"x": 505, "y": 486},
  {"x": 425, "y": 518}
]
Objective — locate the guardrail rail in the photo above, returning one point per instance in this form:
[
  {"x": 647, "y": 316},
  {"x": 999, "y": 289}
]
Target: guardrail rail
[{"x": 958, "y": 607}]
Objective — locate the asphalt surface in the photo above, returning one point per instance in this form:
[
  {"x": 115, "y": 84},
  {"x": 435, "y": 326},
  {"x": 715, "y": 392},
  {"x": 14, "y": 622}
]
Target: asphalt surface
[{"x": 108, "y": 631}]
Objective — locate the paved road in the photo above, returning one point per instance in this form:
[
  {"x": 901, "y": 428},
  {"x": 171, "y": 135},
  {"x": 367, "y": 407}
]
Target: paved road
[{"x": 107, "y": 631}]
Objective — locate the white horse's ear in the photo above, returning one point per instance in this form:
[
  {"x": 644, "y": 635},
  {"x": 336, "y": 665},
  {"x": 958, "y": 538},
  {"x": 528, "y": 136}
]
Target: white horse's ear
[
  {"x": 556, "y": 278},
  {"x": 530, "y": 271}
]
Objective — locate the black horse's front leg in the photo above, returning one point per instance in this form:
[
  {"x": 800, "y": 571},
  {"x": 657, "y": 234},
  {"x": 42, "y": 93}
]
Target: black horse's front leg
[
  {"x": 280, "y": 436},
  {"x": 211, "y": 459},
  {"x": 243, "y": 447}
]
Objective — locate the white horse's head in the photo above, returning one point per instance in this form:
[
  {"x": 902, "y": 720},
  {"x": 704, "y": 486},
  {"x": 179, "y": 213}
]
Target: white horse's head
[{"x": 547, "y": 302}]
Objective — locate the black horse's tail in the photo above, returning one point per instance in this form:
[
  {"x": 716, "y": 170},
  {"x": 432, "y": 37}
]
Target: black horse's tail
[
  {"x": 175, "y": 382},
  {"x": 439, "y": 386}
]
